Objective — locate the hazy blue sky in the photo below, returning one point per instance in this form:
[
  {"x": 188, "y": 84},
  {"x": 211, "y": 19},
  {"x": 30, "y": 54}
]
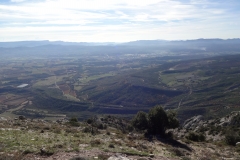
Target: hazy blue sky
[{"x": 118, "y": 20}]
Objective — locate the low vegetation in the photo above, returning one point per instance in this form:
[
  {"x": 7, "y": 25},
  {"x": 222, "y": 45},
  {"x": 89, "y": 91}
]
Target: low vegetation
[
  {"x": 156, "y": 121},
  {"x": 104, "y": 136},
  {"x": 197, "y": 137}
]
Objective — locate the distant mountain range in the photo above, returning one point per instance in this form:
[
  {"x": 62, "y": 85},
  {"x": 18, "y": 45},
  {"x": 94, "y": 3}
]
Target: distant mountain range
[
  {"x": 46, "y": 42},
  {"x": 198, "y": 42}
]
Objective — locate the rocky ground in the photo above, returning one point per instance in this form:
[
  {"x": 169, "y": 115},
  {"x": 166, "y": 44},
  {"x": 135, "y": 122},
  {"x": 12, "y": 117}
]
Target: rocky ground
[{"x": 106, "y": 140}]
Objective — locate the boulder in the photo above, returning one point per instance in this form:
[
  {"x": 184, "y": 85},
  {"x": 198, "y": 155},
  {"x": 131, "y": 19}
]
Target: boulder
[{"x": 118, "y": 157}]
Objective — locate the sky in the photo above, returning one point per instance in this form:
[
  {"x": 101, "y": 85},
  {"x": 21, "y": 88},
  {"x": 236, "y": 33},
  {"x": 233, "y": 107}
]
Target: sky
[{"x": 118, "y": 20}]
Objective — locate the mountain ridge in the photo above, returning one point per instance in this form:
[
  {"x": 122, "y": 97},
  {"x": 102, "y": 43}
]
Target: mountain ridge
[{"x": 33, "y": 43}]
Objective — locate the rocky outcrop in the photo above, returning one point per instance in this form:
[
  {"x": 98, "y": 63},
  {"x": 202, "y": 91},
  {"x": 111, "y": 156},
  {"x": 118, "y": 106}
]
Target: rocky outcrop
[
  {"x": 198, "y": 121},
  {"x": 193, "y": 122}
]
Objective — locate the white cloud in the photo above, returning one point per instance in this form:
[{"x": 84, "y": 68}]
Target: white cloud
[
  {"x": 115, "y": 20},
  {"x": 18, "y": 1}
]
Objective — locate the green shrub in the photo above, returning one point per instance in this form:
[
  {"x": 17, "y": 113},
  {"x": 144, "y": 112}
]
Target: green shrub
[
  {"x": 47, "y": 152},
  {"x": 76, "y": 135},
  {"x": 46, "y": 127},
  {"x": 186, "y": 158},
  {"x": 178, "y": 152},
  {"x": 156, "y": 121},
  {"x": 74, "y": 122},
  {"x": 57, "y": 130},
  {"x": 71, "y": 130},
  {"x": 103, "y": 157},
  {"x": 172, "y": 120},
  {"x": 129, "y": 128},
  {"x": 74, "y": 119},
  {"x": 27, "y": 151},
  {"x": 111, "y": 146},
  {"x": 193, "y": 136},
  {"x": 95, "y": 142},
  {"x": 87, "y": 130},
  {"x": 231, "y": 138},
  {"x": 91, "y": 130},
  {"x": 90, "y": 121},
  {"x": 140, "y": 121},
  {"x": 101, "y": 126},
  {"x": 236, "y": 121},
  {"x": 76, "y": 149}
]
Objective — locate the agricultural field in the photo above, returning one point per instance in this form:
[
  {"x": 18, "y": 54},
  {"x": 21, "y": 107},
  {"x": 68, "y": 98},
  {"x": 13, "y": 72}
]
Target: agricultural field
[
  {"x": 121, "y": 80},
  {"x": 43, "y": 87}
]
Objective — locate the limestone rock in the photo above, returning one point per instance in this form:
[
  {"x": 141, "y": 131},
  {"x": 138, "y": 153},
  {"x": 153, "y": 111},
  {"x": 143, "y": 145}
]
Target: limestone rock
[{"x": 117, "y": 157}]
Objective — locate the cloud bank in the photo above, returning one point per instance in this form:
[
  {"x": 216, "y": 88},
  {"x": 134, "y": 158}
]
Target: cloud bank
[{"x": 118, "y": 21}]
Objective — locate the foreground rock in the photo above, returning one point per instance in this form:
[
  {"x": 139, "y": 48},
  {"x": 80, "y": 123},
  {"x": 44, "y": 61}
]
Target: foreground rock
[{"x": 118, "y": 157}]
